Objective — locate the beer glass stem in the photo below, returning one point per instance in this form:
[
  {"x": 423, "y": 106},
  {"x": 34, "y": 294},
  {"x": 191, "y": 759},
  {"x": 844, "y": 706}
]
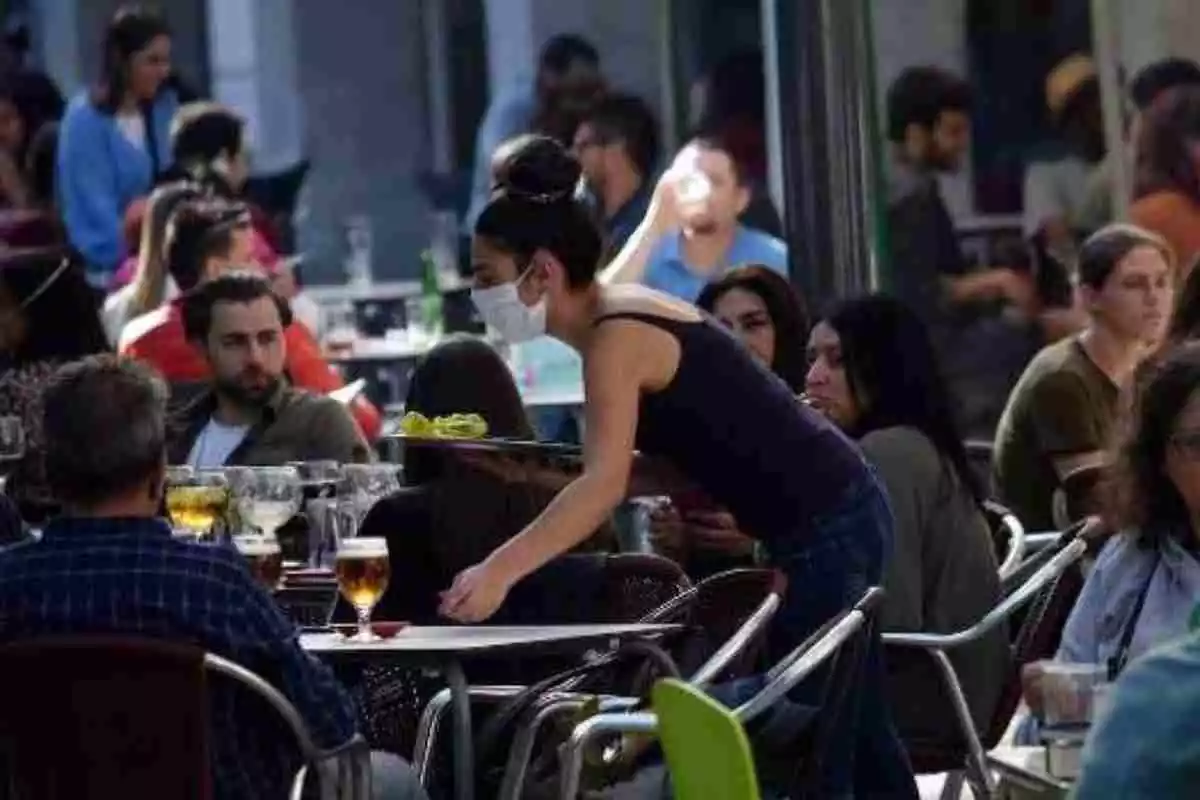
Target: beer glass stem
[{"x": 364, "y": 621}]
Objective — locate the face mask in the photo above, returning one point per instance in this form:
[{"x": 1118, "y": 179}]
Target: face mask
[{"x": 501, "y": 308}]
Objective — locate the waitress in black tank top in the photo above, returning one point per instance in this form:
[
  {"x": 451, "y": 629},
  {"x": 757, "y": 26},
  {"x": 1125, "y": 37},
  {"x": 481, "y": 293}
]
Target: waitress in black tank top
[{"x": 661, "y": 378}]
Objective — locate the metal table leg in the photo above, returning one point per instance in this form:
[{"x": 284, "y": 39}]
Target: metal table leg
[{"x": 464, "y": 757}]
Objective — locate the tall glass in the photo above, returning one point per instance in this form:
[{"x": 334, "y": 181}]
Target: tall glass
[
  {"x": 363, "y": 485},
  {"x": 263, "y": 556},
  {"x": 301, "y": 538},
  {"x": 362, "y": 571},
  {"x": 267, "y": 497},
  {"x": 12, "y": 445},
  {"x": 196, "y": 501}
]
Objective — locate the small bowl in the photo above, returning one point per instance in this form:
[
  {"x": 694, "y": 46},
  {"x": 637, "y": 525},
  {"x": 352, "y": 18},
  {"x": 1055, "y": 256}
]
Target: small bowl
[{"x": 382, "y": 629}]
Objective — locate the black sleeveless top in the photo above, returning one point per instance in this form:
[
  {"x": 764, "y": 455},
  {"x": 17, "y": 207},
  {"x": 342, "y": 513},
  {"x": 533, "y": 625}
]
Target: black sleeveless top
[{"x": 739, "y": 433}]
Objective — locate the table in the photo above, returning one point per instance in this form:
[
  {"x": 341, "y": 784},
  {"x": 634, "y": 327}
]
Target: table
[
  {"x": 445, "y": 648},
  {"x": 1023, "y": 776}
]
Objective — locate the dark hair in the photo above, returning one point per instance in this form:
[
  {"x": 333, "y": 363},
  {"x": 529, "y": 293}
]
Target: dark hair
[
  {"x": 37, "y": 101},
  {"x": 200, "y": 230},
  {"x": 1185, "y": 316},
  {"x": 131, "y": 30},
  {"x": 1144, "y": 498},
  {"x": 41, "y": 163},
  {"x": 893, "y": 372},
  {"x": 534, "y": 207},
  {"x": 922, "y": 94},
  {"x": 463, "y": 374},
  {"x": 718, "y": 143},
  {"x": 242, "y": 286},
  {"x": 104, "y": 425},
  {"x": 735, "y": 89},
  {"x": 1161, "y": 76},
  {"x": 626, "y": 118},
  {"x": 785, "y": 307},
  {"x": 1164, "y": 158},
  {"x": 61, "y": 322},
  {"x": 1105, "y": 249},
  {"x": 561, "y": 52},
  {"x": 200, "y": 133}
]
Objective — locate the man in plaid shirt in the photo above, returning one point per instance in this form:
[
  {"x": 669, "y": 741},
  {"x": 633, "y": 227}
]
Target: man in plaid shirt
[{"x": 111, "y": 566}]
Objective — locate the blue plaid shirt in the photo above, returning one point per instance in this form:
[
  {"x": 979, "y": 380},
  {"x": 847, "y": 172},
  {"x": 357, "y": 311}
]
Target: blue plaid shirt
[{"x": 129, "y": 576}]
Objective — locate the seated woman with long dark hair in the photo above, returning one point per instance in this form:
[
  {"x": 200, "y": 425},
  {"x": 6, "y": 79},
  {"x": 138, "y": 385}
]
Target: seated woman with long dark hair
[
  {"x": 874, "y": 373},
  {"x": 451, "y": 515},
  {"x": 766, "y": 313},
  {"x": 47, "y": 318}
]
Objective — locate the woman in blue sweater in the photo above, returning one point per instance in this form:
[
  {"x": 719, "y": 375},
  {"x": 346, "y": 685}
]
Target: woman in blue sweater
[{"x": 115, "y": 139}]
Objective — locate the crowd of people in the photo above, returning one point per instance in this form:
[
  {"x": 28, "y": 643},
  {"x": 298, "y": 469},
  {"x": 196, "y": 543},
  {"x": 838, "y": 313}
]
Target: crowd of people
[{"x": 147, "y": 318}]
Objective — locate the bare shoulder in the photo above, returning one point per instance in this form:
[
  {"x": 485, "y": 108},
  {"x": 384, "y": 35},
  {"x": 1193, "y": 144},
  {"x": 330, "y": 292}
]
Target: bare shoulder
[{"x": 629, "y": 298}]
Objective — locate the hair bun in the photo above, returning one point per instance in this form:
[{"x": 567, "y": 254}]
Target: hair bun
[{"x": 539, "y": 170}]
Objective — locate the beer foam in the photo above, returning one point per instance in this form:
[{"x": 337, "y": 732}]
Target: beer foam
[
  {"x": 256, "y": 545},
  {"x": 366, "y": 547}
]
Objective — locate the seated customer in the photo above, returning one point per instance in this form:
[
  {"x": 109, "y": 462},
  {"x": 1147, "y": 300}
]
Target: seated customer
[
  {"x": 206, "y": 238},
  {"x": 450, "y": 515},
  {"x": 251, "y": 415},
  {"x": 1146, "y": 581},
  {"x": 685, "y": 243},
  {"x": 1061, "y": 412},
  {"x": 767, "y": 314},
  {"x": 1148, "y": 743},
  {"x": 108, "y": 566},
  {"x": 874, "y": 374}
]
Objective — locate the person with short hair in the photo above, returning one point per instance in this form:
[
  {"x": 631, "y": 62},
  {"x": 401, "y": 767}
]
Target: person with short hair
[
  {"x": 568, "y": 81},
  {"x": 1061, "y": 413},
  {"x": 250, "y": 415},
  {"x": 1167, "y": 179},
  {"x": 689, "y": 243},
  {"x": 207, "y": 238},
  {"x": 114, "y": 140},
  {"x": 110, "y": 566},
  {"x": 618, "y": 146}
]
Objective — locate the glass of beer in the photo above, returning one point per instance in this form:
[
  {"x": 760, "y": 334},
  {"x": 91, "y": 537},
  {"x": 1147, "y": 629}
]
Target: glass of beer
[
  {"x": 196, "y": 500},
  {"x": 362, "y": 571},
  {"x": 263, "y": 556},
  {"x": 268, "y": 497}
]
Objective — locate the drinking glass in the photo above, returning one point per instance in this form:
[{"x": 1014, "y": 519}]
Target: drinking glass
[
  {"x": 362, "y": 485},
  {"x": 12, "y": 438},
  {"x": 362, "y": 571},
  {"x": 268, "y": 497},
  {"x": 264, "y": 557},
  {"x": 196, "y": 500},
  {"x": 341, "y": 330}
]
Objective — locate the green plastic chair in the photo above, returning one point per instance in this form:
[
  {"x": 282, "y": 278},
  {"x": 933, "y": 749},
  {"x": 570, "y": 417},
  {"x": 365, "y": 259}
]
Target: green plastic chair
[{"x": 706, "y": 748}]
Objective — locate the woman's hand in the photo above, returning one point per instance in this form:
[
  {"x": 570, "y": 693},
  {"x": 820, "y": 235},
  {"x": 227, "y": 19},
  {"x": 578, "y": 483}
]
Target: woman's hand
[
  {"x": 716, "y": 532},
  {"x": 1032, "y": 689},
  {"x": 667, "y": 533},
  {"x": 475, "y": 594}
]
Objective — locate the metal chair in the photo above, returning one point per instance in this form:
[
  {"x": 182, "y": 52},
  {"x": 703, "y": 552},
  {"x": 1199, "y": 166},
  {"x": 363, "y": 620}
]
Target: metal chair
[
  {"x": 636, "y": 587},
  {"x": 98, "y": 717},
  {"x": 840, "y": 643},
  {"x": 1008, "y": 537},
  {"x": 737, "y": 607},
  {"x": 1052, "y": 593}
]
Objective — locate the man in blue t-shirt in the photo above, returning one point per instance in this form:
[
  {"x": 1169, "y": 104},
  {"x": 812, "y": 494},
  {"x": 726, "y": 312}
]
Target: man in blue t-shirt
[{"x": 702, "y": 238}]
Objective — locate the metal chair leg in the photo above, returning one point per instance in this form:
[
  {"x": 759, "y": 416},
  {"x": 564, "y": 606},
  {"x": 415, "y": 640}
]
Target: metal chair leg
[
  {"x": 952, "y": 788},
  {"x": 427, "y": 731}
]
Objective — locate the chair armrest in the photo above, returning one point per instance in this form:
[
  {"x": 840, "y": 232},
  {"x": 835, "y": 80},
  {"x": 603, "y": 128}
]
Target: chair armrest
[
  {"x": 1071, "y": 553},
  {"x": 571, "y": 751},
  {"x": 733, "y": 647}
]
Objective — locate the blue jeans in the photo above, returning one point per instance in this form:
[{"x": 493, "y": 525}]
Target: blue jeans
[{"x": 829, "y": 567}]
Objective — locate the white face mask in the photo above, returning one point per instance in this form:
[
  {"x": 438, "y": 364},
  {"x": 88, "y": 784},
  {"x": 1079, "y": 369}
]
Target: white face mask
[{"x": 501, "y": 308}]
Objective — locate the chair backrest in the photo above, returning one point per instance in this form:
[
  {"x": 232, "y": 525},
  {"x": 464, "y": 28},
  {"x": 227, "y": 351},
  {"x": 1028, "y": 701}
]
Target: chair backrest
[
  {"x": 728, "y": 622},
  {"x": 638, "y": 584},
  {"x": 1008, "y": 537},
  {"x": 1078, "y": 496},
  {"x": 706, "y": 748},
  {"x": 836, "y": 653},
  {"x": 91, "y": 717}
]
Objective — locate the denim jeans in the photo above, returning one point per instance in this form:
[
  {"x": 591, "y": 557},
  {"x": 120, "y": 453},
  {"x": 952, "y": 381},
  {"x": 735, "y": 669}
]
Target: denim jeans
[{"x": 829, "y": 567}]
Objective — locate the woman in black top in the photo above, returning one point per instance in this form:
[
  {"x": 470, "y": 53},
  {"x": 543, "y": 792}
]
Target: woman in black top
[{"x": 665, "y": 380}]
